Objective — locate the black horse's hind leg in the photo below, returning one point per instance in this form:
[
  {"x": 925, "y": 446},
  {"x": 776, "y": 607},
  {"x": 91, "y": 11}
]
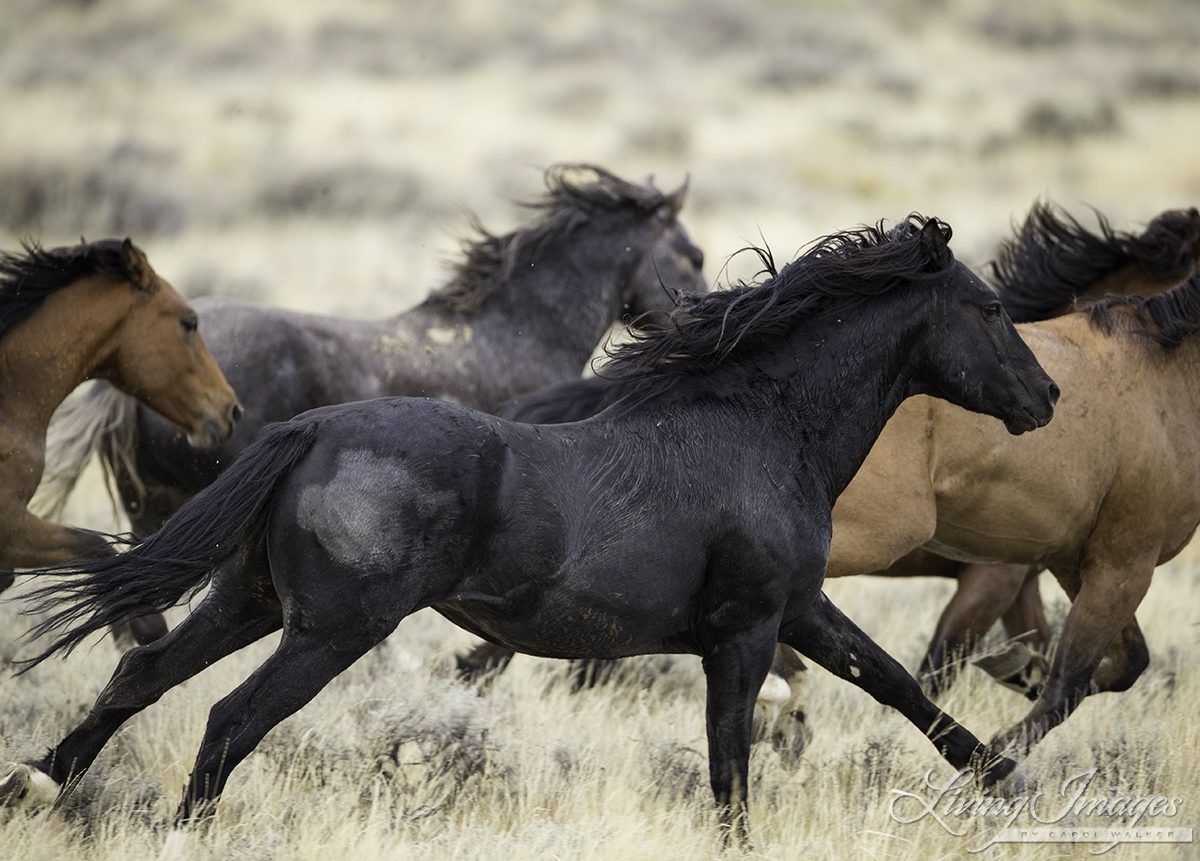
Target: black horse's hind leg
[
  {"x": 827, "y": 636},
  {"x": 226, "y": 620},
  {"x": 306, "y": 660},
  {"x": 735, "y": 668}
]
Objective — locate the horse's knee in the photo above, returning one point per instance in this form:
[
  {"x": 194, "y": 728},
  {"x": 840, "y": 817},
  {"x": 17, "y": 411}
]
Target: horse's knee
[{"x": 1119, "y": 674}]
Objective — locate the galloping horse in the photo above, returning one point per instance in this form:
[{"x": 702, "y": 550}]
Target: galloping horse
[
  {"x": 1052, "y": 261},
  {"x": 1052, "y": 264},
  {"x": 95, "y": 310},
  {"x": 521, "y": 311},
  {"x": 694, "y": 520}
]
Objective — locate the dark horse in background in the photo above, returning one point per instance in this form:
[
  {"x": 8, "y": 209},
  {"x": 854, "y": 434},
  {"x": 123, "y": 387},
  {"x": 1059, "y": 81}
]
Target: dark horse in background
[
  {"x": 521, "y": 311},
  {"x": 695, "y": 519},
  {"x": 1052, "y": 261}
]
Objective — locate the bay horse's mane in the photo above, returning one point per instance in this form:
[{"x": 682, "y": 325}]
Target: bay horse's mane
[
  {"x": 575, "y": 193},
  {"x": 832, "y": 274},
  {"x": 1166, "y": 319},
  {"x": 27, "y": 279},
  {"x": 1053, "y": 258}
]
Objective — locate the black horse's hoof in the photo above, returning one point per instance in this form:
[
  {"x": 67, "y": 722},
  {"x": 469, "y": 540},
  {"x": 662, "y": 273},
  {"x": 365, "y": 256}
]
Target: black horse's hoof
[
  {"x": 7, "y": 578},
  {"x": 991, "y": 767}
]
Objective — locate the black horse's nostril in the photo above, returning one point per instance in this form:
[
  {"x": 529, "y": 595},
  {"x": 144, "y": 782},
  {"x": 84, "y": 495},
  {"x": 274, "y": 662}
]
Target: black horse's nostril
[
  {"x": 1053, "y": 391},
  {"x": 236, "y": 412}
]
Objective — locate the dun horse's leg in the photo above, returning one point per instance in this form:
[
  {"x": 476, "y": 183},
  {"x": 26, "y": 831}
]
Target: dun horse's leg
[
  {"x": 304, "y": 663},
  {"x": 1026, "y": 617},
  {"x": 734, "y": 669},
  {"x": 1123, "y": 664},
  {"x": 1107, "y": 597},
  {"x": 984, "y": 593},
  {"x": 225, "y": 621},
  {"x": 824, "y": 634}
]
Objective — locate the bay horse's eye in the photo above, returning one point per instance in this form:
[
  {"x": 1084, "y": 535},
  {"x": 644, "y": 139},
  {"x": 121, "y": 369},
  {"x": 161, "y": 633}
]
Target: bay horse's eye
[
  {"x": 991, "y": 311},
  {"x": 190, "y": 323}
]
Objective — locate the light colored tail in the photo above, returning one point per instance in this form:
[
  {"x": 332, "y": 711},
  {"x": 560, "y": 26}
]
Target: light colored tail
[{"x": 94, "y": 419}]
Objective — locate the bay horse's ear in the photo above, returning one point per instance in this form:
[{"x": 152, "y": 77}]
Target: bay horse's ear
[
  {"x": 935, "y": 241},
  {"x": 676, "y": 198},
  {"x": 137, "y": 267}
]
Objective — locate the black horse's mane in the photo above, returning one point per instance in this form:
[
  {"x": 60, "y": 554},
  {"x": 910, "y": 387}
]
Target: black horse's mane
[
  {"x": 575, "y": 193},
  {"x": 1053, "y": 258},
  {"x": 833, "y": 274},
  {"x": 1166, "y": 319},
  {"x": 27, "y": 279}
]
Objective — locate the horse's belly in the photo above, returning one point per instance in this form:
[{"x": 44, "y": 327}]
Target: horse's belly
[
  {"x": 993, "y": 537},
  {"x": 583, "y": 614}
]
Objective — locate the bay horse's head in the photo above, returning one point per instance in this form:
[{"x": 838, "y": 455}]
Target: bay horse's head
[
  {"x": 973, "y": 356},
  {"x": 160, "y": 357}
]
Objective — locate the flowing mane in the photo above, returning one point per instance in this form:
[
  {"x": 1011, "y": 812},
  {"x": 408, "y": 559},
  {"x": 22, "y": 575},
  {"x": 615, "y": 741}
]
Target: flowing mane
[
  {"x": 27, "y": 279},
  {"x": 832, "y": 275},
  {"x": 1053, "y": 259},
  {"x": 575, "y": 193},
  {"x": 1166, "y": 319}
]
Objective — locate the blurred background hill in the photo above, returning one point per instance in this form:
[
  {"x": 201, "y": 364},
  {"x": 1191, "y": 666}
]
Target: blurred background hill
[{"x": 319, "y": 155}]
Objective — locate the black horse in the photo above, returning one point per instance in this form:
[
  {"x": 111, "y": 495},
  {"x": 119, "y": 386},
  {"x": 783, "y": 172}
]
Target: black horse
[
  {"x": 1050, "y": 264},
  {"x": 694, "y": 518}
]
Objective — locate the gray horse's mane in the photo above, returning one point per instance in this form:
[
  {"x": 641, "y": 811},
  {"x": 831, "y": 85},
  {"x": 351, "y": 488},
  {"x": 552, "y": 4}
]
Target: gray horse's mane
[{"x": 575, "y": 194}]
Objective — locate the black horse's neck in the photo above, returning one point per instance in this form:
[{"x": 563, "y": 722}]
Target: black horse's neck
[
  {"x": 852, "y": 376},
  {"x": 827, "y": 390}
]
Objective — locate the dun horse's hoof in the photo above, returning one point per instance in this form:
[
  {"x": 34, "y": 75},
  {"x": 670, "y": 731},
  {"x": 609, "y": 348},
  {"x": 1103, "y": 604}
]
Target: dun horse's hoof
[
  {"x": 1017, "y": 667},
  {"x": 24, "y": 786}
]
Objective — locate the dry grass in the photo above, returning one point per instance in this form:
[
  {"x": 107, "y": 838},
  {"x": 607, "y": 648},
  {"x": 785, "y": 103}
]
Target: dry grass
[{"x": 318, "y": 156}]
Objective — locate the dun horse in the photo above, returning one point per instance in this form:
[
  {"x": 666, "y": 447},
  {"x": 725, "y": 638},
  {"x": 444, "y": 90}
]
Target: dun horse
[
  {"x": 95, "y": 310},
  {"x": 521, "y": 311},
  {"x": 696, "y": 520},
  {"x": 1044, "y": 272}
]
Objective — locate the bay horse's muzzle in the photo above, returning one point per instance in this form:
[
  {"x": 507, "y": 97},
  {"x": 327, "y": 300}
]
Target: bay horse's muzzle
[{"x": 215, "y": 430}]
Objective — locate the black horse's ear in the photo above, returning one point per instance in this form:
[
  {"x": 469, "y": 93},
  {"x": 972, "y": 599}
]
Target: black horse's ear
[
  {"x": 935, "y": 242},
  {"x": 137, "y": 267}
]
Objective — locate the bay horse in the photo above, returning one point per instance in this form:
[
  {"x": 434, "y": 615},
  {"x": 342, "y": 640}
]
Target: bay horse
[
  {"x": 96, "y": 310},
  {"x": 694, "y": 520},
  {"x": 521, "y": 311},
  {"x": 1052, "y": 262}
]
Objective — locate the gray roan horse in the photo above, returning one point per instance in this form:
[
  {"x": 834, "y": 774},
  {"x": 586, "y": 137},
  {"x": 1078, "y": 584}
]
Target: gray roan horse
[
  {"x": 521, "y": 311},
  {"x": 694, "y": 519}
]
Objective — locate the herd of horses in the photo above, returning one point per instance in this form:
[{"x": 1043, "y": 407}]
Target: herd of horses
[{"x": 869, "y": 408}]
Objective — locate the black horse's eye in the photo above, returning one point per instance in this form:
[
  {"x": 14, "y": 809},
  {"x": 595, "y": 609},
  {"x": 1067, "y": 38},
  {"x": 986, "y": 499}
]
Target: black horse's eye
[
  {"x": 992, "y": 311},
  {"x": 190, "y": 323}
]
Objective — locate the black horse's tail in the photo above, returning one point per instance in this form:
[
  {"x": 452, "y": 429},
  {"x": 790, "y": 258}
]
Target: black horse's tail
[{"x": 179, "y": 559}]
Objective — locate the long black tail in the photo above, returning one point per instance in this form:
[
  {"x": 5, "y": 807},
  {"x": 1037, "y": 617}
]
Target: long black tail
[{"x": 179, "y": 559}]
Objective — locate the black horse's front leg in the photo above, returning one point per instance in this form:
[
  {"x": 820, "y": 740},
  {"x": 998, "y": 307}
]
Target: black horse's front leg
[
  {"x": 735, "y": 667},
  {"x": 822, "y": 632}
]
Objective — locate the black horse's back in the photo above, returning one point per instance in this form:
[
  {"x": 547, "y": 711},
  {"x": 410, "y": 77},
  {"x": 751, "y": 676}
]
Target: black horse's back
[{"x": 570, "y": 401}]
